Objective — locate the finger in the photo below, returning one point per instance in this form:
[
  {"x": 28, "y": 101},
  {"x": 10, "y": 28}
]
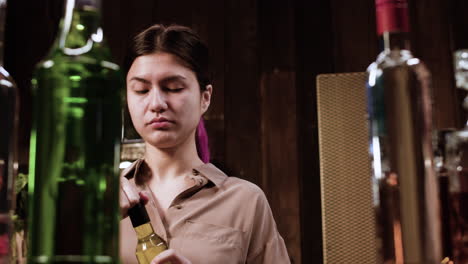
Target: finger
[
  {"x": 124, "y": 204},
  {"x": 128, "y": 196},
  {"x": 164, "y": 256},
  {"x": 170, "y": 255},
  {"x": 129, "y": 191},
  {"x": 144, "y": 196}
]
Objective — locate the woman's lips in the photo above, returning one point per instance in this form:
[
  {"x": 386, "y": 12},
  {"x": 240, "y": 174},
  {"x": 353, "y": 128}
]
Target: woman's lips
[{"x": 160, "y": 123}]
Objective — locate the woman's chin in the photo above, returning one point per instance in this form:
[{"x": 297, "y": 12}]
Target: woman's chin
[{"x": 161, "y": 142}]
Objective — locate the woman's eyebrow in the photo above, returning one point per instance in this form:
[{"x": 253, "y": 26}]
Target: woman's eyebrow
[
  {"x": 173, "y": 78},
  {"x": 139, "y": 79}
]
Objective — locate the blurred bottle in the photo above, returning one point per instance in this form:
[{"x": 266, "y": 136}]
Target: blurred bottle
[
  {"x": 75, "y": 145},
  {"x": 440, "y": 161},
  {"x": 9, "y": 111},
  {"x": 456, "y": 152},
  {"x": 400, "y": 118}
]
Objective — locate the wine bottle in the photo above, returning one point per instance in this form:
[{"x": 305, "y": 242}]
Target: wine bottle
[
  {"x": 149, "y": 243},
  {"x": 75, "y": 145},
  {"x": 400, "y": 122},
  {"x": 9, "y": 103}
]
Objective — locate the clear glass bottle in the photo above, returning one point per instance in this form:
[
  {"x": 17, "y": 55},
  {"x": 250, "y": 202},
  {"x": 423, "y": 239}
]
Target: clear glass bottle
[
  {"x": 440, "y": 161},
  {"x": 456, "y": 152},
  {"x": 400, "y": 122},
  {"x": 149, "y": 243},
  {"x": 9, "y": 110},
  {"x": 75, "y": 145}
]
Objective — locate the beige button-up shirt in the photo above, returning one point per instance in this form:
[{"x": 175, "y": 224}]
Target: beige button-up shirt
[{"x": 219, "y": 220}]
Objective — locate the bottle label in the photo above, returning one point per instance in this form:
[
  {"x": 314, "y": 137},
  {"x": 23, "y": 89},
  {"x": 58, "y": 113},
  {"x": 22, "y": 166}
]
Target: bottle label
[{"x": 392, "y": 16}]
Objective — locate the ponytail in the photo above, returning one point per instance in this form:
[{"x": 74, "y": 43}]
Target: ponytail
[{"x": 201, "y": 141}]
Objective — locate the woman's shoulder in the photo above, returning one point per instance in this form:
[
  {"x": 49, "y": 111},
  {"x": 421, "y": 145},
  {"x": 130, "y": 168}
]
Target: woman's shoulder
[
  {"x": 227, "y": 183},
  {"x": 244, "y": 185}
]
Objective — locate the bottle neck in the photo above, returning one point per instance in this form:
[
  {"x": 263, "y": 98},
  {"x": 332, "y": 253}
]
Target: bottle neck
[
  {"x": 395, "y": 41},
  {"x": 392, "y": 24},
  {"x": 144, "y": 231},
  {"x": 80, "y": 27}
]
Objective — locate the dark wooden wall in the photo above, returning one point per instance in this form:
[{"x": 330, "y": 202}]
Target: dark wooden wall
[{"x": 266, "y": 55}]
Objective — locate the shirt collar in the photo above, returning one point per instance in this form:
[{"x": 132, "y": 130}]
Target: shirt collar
[
  {"x": 207, "y": 170},
  {"x": 131, "y": 170},
  {"x": 212, "y": 173}
]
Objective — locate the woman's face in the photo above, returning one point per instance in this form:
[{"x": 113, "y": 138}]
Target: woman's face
[{"x": 164, "y": 100}]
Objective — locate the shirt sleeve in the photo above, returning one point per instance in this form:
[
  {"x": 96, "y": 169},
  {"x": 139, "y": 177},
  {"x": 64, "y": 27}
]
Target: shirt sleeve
[{"x": 266, "y": 245}]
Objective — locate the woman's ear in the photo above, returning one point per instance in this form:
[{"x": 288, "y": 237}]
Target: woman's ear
[{"x": 206, "y": 97}]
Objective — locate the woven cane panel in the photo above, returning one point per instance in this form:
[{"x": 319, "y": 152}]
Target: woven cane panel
[{"x": 347, "y": 214}]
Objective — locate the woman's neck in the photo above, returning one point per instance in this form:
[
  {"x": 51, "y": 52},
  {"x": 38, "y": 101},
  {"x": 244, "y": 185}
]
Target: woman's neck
[{"x": 171, "y": 163}]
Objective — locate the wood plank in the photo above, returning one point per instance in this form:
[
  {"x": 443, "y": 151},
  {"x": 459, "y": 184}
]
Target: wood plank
[
  {"x": 170, "y": 12},
  {"x": 278, "y": 118},
  {"x": 434, "y": 48},
  {"x": 355, "y": 39},
  {"x": 137, "y": 16},
  {"x": 314, "y": 55},
  {"x": 206, "y": 17},
  {"x": 279, "y": 151},
  {"x": 115, "y": 25},
  {"x": 242, "y": 93},
  {"x": 277, "y": 35}
]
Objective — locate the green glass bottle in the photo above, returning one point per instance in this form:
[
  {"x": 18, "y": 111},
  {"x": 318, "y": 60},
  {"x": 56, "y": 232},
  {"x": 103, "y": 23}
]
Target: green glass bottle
[{"x": 75, "y": 145}]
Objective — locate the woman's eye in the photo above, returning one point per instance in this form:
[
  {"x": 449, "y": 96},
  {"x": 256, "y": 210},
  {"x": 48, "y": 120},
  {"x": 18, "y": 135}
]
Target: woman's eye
[
  {"x": 141, "y": 91},
  {"x": 172, "y": 90}
]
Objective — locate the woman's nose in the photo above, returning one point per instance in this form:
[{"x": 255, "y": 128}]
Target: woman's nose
[{"x": 158, "y": 101}]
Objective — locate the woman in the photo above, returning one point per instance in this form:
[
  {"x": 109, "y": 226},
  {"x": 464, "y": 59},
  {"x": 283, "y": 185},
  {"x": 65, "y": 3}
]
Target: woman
[{"x": 205, "y": 216}]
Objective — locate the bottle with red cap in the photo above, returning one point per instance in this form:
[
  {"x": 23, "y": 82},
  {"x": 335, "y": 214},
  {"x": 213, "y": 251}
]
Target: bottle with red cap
[{"x": 400, "y": 145}]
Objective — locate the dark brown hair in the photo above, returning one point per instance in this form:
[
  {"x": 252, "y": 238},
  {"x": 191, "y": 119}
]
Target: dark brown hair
[{"x": 179, "y": 41}]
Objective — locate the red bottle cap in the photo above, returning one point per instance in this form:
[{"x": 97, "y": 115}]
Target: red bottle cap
[{"x": 392, "y": 16}]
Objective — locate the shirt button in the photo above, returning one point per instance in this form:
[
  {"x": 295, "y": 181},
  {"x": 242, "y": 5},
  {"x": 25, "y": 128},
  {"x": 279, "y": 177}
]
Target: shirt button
[{"x": 178, "y": 207}]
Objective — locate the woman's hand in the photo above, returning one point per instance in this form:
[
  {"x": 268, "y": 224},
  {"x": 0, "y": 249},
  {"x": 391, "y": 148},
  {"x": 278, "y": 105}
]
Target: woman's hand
[
  {"x": 170, "y": 256},
  {"x": 129, "y": 196}
]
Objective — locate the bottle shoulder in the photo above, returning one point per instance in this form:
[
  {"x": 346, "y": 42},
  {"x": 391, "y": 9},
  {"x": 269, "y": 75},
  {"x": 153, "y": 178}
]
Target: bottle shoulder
[
  {"x": 392, "y": 58},
  {"x": 398, "y": 59},
  {"x": 389, "y": 58},
  {"x": 95, "y": 54},
  {"x": 5, "y": 78},
  {"x": 93, "y": 61},
  {"x": 151, "y": 238}
]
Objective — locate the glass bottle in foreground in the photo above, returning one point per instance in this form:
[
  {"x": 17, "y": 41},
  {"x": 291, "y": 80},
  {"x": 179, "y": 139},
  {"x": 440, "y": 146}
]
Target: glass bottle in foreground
[
  {"x": 149, "y": 243},
  {"x": 456, "y": 152},
  {"x": 75, "y": 145},
  {"x": 9, "y": 110},
  {"x": 400, "y": 119}
]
